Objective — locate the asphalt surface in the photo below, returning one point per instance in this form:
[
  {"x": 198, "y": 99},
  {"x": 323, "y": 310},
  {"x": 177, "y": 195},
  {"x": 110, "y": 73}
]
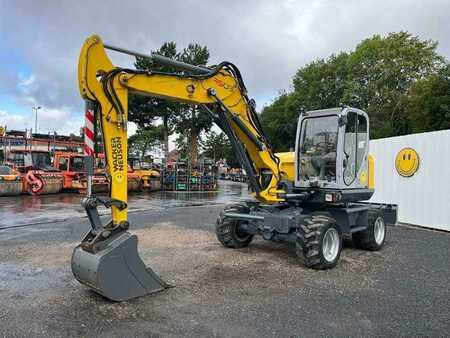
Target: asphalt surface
[
  {"x": 23, "y": 210},
  {"x": 257, "y": 291}
]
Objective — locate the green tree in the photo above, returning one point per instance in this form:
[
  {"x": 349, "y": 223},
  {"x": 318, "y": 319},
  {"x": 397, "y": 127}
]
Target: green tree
[
  {"x": 181, "y": 118},
  {"x": 277, "y": 120},
  {"x": 376, "y": 77},
  {"x": 191, "y": 120},
  {"x": 217, "y": 146},
  {"x": 322, "y": 83},
  {"x": 146, "y": 111},
  {"x": 380, "y": 72},
  {"x": 145, "y": 139},
  {"x": 182, "y": 144},
  {"x": 427, "y": 105}
]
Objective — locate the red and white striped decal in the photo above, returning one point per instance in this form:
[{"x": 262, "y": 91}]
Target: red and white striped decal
[{"x": 89, "y": 133}]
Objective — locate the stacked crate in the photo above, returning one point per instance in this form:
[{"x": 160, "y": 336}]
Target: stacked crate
[{"x": 182, "y": 176}]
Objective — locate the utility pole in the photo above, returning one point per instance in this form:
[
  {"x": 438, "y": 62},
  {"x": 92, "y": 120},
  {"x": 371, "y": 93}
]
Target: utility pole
[{"x": 35, "y": 109}]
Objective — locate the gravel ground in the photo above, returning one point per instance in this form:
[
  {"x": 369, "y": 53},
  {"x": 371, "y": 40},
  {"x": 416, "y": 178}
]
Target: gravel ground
[{"x": 257, "y": 291}]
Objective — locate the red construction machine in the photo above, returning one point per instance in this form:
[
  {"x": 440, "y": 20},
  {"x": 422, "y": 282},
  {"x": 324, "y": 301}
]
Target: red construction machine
[
  {"x": 71, "y": 166},
  {"x": 35, "y": 167}
]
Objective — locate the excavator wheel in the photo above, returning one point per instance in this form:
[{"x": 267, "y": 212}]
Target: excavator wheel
[
  {"x": 373, "y": 237},
  {"x": 318, "y": 242},
  {"x": 227, "y": 230}
]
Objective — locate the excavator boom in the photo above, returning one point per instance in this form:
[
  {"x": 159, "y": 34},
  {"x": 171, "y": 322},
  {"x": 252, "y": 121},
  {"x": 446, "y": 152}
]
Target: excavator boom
[{"x": 108, "y": 252}]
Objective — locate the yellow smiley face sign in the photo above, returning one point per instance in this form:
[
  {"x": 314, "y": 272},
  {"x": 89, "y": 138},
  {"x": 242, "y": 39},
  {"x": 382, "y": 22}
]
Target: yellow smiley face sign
[{"x": 407, "y": 162}]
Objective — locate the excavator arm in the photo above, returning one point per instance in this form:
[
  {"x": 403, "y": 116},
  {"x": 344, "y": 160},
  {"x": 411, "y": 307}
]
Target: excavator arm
[
  {"x": 109, "y": 250},
  {"x": 220, "y": 90}
]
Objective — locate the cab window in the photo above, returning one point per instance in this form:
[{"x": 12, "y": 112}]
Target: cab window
[
  {"x": 5, "y": 170},
  {"x": 76, "y": 163},
  {"x": 62, "y": 163},
  {"x": 355, "y": 143},
  {"x": 361, "y": 141},
  {"x": 18, "y": 159},
  {"x": 317, "y": 148}
]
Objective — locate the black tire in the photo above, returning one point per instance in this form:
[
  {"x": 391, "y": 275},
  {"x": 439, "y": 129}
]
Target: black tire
[
  {"x": 227, "y": 230},
  {"x": 367, "y": 239},
  {"x": 310, "y": 242}
]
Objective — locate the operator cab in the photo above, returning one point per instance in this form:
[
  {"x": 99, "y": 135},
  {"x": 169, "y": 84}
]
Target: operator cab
[
  {"x": 332, "y": 150},
  {"x": 35, "y": 159}
]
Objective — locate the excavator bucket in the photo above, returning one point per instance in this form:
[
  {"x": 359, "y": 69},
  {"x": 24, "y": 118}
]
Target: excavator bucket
[{"x": 115, "y": 269}]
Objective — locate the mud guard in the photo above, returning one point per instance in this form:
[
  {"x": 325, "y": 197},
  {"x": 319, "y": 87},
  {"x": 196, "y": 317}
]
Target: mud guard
[{"x": 115, "y": 270}]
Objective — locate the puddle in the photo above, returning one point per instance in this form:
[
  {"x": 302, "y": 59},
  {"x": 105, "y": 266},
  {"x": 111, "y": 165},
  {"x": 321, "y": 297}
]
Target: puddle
[{"x": 25, "y": 210}]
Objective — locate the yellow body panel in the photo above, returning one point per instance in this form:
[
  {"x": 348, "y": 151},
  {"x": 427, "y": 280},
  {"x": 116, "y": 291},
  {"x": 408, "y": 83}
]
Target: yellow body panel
[
  {"x": 371, "y": 165},
  {"x": 146, "y": 175},
  {"x": 95, "y": 64},
  {"x": 287, "y": 164}
]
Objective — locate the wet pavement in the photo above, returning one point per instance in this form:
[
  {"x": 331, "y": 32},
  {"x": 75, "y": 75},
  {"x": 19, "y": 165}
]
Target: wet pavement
[
  {"x": 27, "y": 210},
  {"x": 257, "y": 291}
]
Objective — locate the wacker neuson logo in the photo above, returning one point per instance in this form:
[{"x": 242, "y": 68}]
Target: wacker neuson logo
[{"x": 117, "y": 157}]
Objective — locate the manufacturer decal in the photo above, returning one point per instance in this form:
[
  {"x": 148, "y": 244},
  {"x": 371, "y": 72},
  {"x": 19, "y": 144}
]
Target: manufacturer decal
[
  {"x": 222, "y": 84},
  {"x": 117, "y": 156}
]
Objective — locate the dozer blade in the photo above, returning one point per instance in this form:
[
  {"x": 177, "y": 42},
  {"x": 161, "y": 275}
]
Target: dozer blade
[{"x": 115, "y": 270}]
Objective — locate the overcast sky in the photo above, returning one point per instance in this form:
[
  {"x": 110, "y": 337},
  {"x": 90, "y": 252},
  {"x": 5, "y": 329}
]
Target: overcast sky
[{"x": 267, "y": 40}]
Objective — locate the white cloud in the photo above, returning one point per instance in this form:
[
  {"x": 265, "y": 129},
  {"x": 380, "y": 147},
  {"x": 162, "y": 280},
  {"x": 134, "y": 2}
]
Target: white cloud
[
  {"x": 268, "y": 40},
  {"x": 12, "y": 121},
  {"x": 26, "y": 82},
  {"x": 49, "y": 120},
  {"x": 131, "y": 128}
]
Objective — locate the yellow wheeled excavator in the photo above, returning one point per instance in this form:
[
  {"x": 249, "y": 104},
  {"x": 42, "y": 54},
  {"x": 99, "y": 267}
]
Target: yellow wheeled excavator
[{"x": 311, "y": 197}]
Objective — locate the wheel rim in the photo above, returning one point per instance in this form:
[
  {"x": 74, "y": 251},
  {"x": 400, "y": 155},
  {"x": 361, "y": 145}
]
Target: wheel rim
[
  {"x": 240, "y": 234},
  {"x": 331, "y": 244},
  {"x": 379, "y": 230}
]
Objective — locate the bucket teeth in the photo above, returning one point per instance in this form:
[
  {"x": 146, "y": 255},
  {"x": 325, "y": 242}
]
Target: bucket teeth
[{"x": 116, "y": 271}]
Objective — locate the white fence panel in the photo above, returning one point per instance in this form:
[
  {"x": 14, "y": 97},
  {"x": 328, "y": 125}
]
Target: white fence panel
[{"x": 424, "y": 198}]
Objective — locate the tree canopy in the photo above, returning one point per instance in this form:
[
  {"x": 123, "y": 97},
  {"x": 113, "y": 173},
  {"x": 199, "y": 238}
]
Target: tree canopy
[
  {"x": 175, "y": 116},
  {"x": 144, "y": 139},
  {"x": 144, "y": 111},
  {"x": 191, "y": 121},
  {"x": 385, "y": 76},
  {"x": 427, "y": 105},
  {"x": 217, "y": 146}
]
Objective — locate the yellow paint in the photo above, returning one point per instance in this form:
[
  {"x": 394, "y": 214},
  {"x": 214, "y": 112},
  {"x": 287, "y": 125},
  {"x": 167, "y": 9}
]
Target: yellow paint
[
  {"x": 94, "y": 62},
  {"x": 407, "y": 162},
  {"x": 371, "y": 169},
  {"x": 363, "y": 178},
  {"x": 145, "y": 176},
  {"x": 119, "y": 177},
  {"x": 287, "y": 164}
]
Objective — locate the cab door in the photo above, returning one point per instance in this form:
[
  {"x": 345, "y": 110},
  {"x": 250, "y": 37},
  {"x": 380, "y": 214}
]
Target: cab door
[
  {"x": 63, "y": 163},
  {"x": 355, "y": 151}
]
